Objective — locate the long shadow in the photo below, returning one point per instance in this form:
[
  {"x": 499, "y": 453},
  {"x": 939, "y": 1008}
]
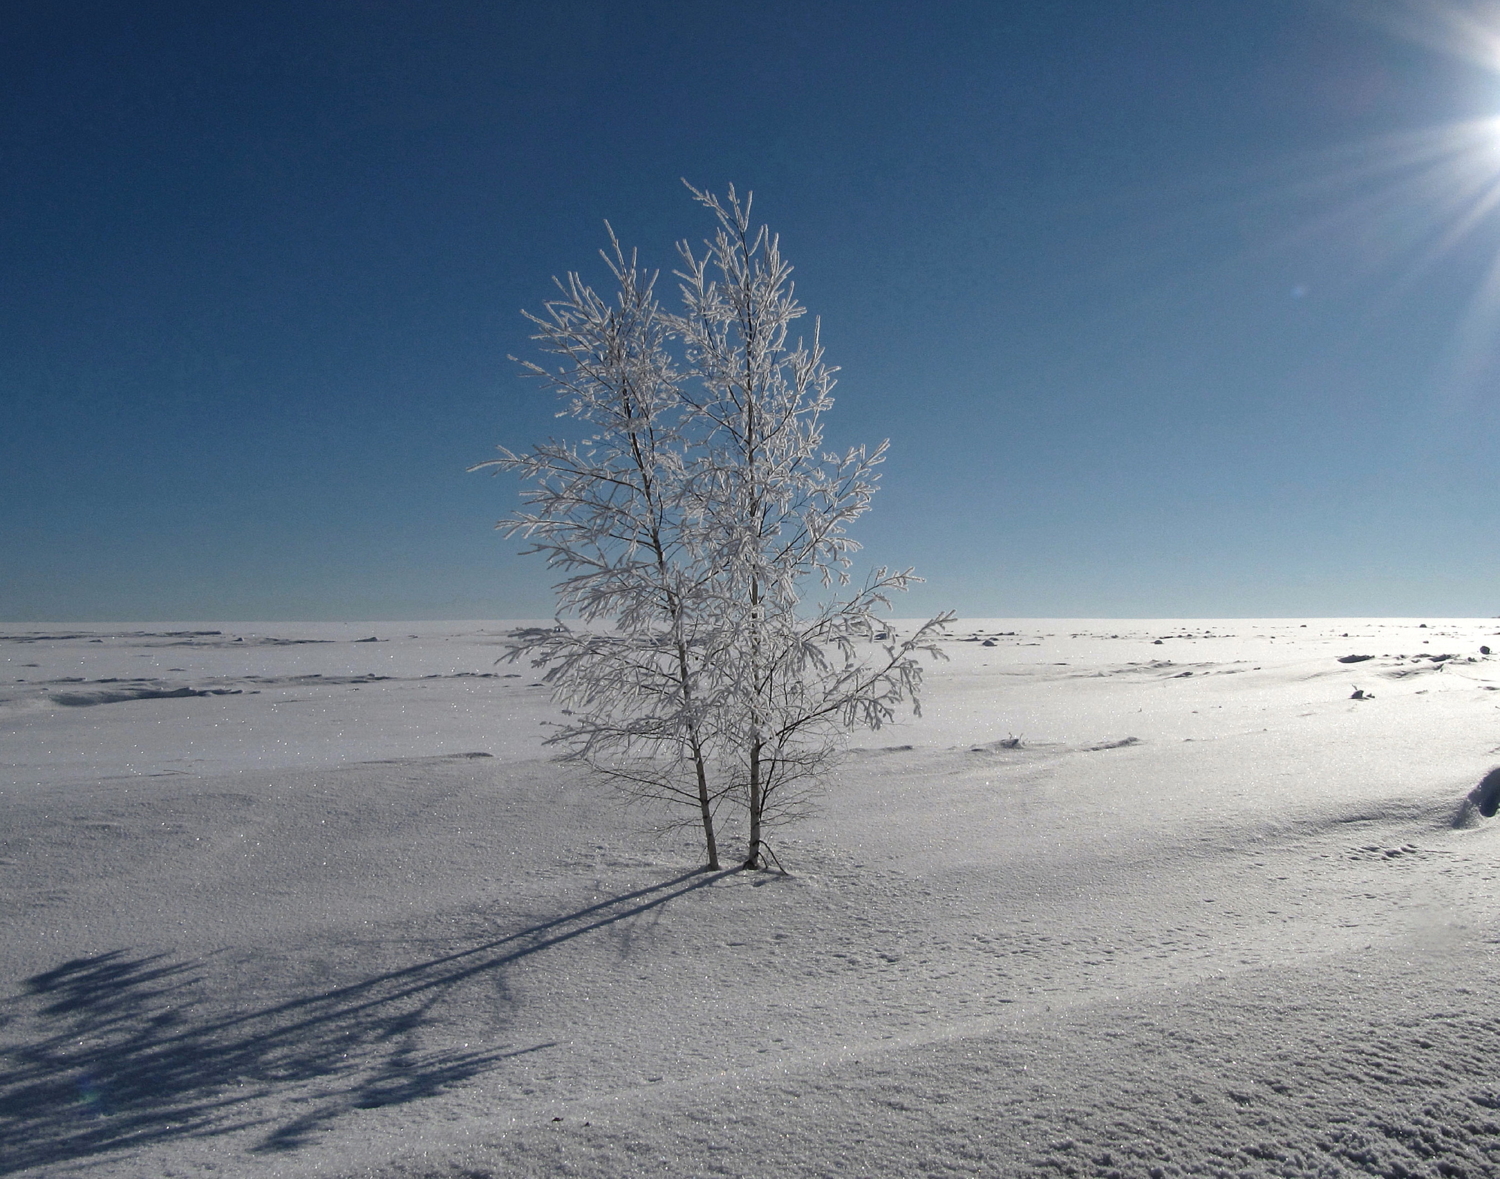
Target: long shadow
[{"x": 125, "y": 1052}]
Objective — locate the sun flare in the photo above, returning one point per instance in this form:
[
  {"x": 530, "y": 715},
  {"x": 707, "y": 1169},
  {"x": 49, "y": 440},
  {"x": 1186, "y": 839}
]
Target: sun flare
[{"x": 1397, "y": 206}]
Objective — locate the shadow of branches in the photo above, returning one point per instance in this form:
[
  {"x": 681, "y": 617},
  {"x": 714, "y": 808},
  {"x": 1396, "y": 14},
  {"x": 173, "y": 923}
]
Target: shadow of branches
[{"x": 116, "y": 1052}]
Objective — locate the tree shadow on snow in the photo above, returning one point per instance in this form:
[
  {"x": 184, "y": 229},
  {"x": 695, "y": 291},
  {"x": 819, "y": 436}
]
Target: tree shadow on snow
[{"x": 126, "y": 1053}]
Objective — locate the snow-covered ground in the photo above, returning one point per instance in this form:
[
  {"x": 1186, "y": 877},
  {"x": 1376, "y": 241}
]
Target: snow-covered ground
[{"x": 1133, "y": 897}]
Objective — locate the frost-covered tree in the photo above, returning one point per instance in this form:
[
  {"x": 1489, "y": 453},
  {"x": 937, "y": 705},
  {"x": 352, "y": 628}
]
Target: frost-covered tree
[
  {"x": 796, "y": 671},
  {"x": 614, "y": 514},
  {"x": 710, "y": 646}
]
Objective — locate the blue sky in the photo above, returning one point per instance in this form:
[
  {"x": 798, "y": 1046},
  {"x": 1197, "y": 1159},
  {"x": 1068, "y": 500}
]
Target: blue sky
[{"x": 1168, "y": 307}]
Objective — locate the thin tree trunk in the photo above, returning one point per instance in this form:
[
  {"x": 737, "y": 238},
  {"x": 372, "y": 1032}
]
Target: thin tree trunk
[
  {"x": 752, "y": 860},
  {"x": 695, "y": 741},
  {"x": 705, "y": 810}
]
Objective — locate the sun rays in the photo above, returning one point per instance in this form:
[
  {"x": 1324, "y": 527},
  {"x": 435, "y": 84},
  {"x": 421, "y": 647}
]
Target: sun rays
[{"x": 1414, "y": 201}]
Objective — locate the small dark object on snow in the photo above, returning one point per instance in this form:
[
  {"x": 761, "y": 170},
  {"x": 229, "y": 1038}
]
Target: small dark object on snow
[
  {"x": 1156, "y": 643},
  {"x": 988, "y": 643},
  {"x": 1484, "y": 650},
  {"x": 371, "y": 639},
  {"x": 1360, "y": 694},
  {"x": 1486, "y": 796},
  {"x": 1354, "y": 658}
]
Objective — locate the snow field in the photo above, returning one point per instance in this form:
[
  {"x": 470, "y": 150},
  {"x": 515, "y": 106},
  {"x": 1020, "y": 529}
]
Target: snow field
[{"x": 1212, "y": 924}]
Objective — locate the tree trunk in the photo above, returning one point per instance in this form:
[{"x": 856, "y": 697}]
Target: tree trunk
[
  {"x": 752, "y": 860},
  {"x": 706, "y": 811}
]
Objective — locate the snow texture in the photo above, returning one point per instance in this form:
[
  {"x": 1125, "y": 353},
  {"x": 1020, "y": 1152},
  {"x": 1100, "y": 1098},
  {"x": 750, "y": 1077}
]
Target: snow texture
[{"x": 1132, "y": 898}]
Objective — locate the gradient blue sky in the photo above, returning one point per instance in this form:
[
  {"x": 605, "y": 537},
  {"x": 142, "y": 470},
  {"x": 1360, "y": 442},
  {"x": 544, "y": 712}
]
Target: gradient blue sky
[{"x": 1152, "y": 297}]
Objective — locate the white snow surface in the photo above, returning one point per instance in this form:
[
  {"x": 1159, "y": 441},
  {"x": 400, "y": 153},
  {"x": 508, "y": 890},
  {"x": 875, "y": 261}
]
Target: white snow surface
[{"x": 1130, "y": 898}]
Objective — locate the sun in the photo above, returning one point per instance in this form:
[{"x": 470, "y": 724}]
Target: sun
[{"x": 1399, "y": 205}]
